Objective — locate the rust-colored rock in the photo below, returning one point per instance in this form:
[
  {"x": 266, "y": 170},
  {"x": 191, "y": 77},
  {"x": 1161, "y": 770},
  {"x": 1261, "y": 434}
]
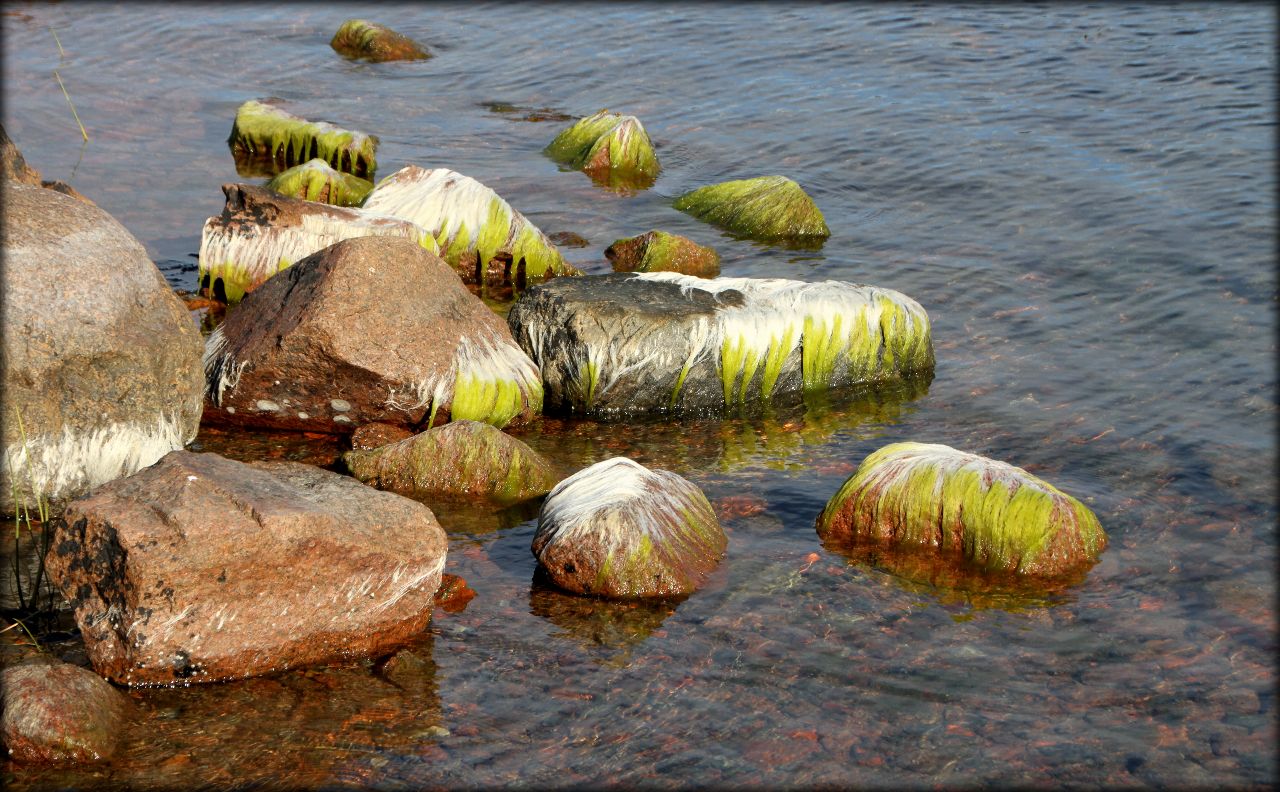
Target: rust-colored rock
[
  {"x": 658, "y": 251},
  {"x": 56, "y": 712},
  {"x": 201, "y": 568},
  {"x": 373, "y": 329},
  {"x": 12, "y": 164},
  {"x": 453, "y": 594},
  {"x": 361, "y": 40},
  {"x": 376, "y": 435}
]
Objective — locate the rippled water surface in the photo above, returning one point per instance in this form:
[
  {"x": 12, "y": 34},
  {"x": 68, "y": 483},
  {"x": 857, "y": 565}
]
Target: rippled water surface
[{"x": 1082, "y": 197}]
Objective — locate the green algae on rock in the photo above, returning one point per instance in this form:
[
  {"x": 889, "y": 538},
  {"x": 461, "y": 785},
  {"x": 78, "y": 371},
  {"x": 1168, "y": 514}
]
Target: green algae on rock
[
  {"x": 610, "y": 147},
  {"x": 658, "y": 251},
  {"x": 480, "y": 234},
  {"x": 260, "y": 233},
  {"x": 764, "y": 208},
  {"x": 619, "y": 529},
  {"x": 995, "y": 516},
  {"x": 462, "y": 459},
  {"x": 262, "y": 132},
  {"x": 362, "y": 40},
  {"x": 314, "y": 180}
]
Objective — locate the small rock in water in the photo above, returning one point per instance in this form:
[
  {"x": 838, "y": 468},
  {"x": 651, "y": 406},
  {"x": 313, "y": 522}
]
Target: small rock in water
[
  {"x": 362, "y": 40},
  {"x": 658, "y": 251},
  {"x": 56, "y": 712}
]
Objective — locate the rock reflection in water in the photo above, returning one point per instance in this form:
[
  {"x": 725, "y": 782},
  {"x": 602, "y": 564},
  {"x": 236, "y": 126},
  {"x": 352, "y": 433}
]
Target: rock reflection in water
[{"x": 615, "y": 625}]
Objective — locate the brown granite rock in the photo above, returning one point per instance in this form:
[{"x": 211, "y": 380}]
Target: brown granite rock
[
  {"x": 373, "y": 329},
  {"x": 658, "y": 251},
  {"x": 376, "y": 435},
  {"x": 56, "y": 712},
  {"x": 201, "y": 568}
]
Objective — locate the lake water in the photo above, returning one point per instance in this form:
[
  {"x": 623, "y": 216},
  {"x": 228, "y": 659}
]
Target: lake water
[{"x": 1082, "y": 197}]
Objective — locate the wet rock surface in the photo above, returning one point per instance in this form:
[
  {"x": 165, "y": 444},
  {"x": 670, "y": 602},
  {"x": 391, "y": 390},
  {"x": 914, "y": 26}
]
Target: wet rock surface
[
  {"x": 376, "y": 435},
  {"x": 612, "y": 148},
  {"x": 200, "y": 569},
  {"x": 266, "y": 136},
  {"x": 315, "y": 180},
  {"x": 658, "y": 251},
  {"x": 766, "y": 208},
  {"x": 618, "y": 529},
  {"x": 361, "y": 40},
  {"x": 374, "y": 329},
  {"x": 101, "y": 360},
  {"x": 462, "y": 459},
  {"x": 57, "y": 713}
]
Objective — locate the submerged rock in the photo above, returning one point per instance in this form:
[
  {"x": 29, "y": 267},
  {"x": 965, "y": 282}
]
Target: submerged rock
[
  {"x": 991, "y": 514},
  {"x": 611, "y": 148},
  {"x": 627, "y": 343},
  {"x": 56, "y": 712},
  {"x": 369, "y": 329},
  {"x": 260, "y": 233},
  {"x": 618, "y": 529},
  {"x": 264, "y": 133},
  {"x": 658, "y": 251},
  {"x": 765, "y": 208},
  {"x": 463, "y": 459},
  {"x": 201, "y": 568},
  {"x": 480, "y": 235},
  {"x": 363, "y": 40},
  {"x": 101, "y": 372},
  {"x": 314, "y": 180}
]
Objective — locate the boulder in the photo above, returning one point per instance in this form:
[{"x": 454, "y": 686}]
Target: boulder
[
  {"x": 610, "y": 147},
  {"x": 13, "y": 166},
  {"x": 990, "y": 514},
  {"x": 764, "y": 208},
  {"x": 628, "y": 343},
  {"x": 55, "y": 712},
  {"x": 463, "y": 459},
  {"x": 361, "y": 40},
  {"x": 265, "y": 134},
  {"x": 373, "y": 329},
  {"x": 658, "y": 251},
  {"x": 618, "y": 529},
  {"x": 101, "y": 361},
  {"x": 201, "y": 568},
  {"x": 314, "y": 180},
  {"x": 482, "y": 237},
  {"x": 261, "y": 232}
]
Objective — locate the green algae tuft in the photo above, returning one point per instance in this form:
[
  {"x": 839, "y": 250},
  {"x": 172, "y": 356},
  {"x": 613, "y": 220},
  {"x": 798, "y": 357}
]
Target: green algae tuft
[
  {"x": 764, "y": 208},
  {"x": 314, "y": 180},
  {"x": 265, "y": 133}
]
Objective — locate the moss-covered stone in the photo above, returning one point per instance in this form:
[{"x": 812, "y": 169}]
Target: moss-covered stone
[
  {"x": 265, "y": 133},
  {"x": 765, "y": 208},
  {"x": 658, "y": 251},
  {"x": 362, "y": 40},
  {"x": 610, "y": 147},
  {"x": 991, "y": 514},
  {"x": 314, "y": 180},
  {"x": 618, "y": 529},
  {"x": 463, "y": 459}
]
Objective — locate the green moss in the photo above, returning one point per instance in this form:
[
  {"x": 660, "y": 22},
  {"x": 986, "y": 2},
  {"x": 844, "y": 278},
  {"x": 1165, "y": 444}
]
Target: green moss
[
  {"x": 494, "y": 402},
  {"x": 675, "y": 393},
  {"x": 261, "y": 131},
  {"x": 357, "y": 38},
  {"x": 777, "y": 355},
  {"x": 573, "y": 144},
  {"x": 541, "y": 259},
  {"x": 768, "y": 207},
  {"x": 821, "y": 346},
  {"x": 314, "y": 180},
  {"x": 613, "y": 148},
  {"x": 589, "y": 380},
  {"x": 459, "y": 245}
]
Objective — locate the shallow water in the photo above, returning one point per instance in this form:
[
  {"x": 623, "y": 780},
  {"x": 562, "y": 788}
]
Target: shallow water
[{"x": 1083, "y": 198}]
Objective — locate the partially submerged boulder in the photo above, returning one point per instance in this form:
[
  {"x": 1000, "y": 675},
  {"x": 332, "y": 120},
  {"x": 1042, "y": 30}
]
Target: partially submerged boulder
[
  {"x": 362, "y": 40},
  {"x": 764, "y": 208},
  {"x": 101, "y": 361},
  {"x": 13, "y": 166},
  {"x": 369, "y": 329},
  {"x": 480, "y": 235},
  {"x": 993, "y": 515},
  {"x": 55, "y": 712},
  {"x": 314, "y": 180},
  {"x": 463, "y": 459},
  {"x": 658, "y": 251},
  {"x": 201, "y": 568},
  {"x": 261, "y": 232},
  {"x": 264, "y": 133},
  {"x": 618, "y": 529},
  {"x": 626, "y": 343},
  {"x": 610, "y": 147}
]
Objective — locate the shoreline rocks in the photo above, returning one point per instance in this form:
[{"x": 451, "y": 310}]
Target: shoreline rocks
[
  {"x": 658, "y": 251},
  {"x": 266, "y": 134},
  {"x": 764, "y": 208},
  {"x": 613, "y": 149},
  {"x": 362, "y": 40}
]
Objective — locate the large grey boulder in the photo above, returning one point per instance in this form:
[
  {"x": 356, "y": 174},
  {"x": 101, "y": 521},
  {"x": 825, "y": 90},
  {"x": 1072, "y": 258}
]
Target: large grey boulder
[
  {"x": 101, "y": 361},
  {"x": 652, "y": 342}
]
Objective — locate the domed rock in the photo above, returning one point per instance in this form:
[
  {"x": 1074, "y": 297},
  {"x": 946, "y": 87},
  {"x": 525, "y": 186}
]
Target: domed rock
[
  {"x": 361, "y": 40},
  {"x": 658, "y": 251},
  {"x": 764, "y": 208},
  {"x": 55, "y": 712},
  {"x": 610, "y": 147}
]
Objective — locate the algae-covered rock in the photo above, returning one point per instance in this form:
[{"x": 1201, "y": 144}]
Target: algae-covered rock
[
  {"x": 611, "y": 148},
  {"x": 363, "y": 40},
  {"x": 481, "y": 236},
  {"x": 265, "y": 133},
  {"x": 993, "y": 515},
  {"x": 463, "y": 459},
  {"x": 658, "y": 251},
  {"x": 260, "y": 233},
  {"x": 627, "y": 343},
  {"x": 618, "y": 529},
  {"x": 314, "y": 180},
  {"x": 765, "y": 208}
]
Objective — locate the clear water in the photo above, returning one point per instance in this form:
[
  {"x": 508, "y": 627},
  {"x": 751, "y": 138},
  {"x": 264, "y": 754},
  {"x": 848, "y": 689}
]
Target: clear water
[{"x": 1082, "y": 197}]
